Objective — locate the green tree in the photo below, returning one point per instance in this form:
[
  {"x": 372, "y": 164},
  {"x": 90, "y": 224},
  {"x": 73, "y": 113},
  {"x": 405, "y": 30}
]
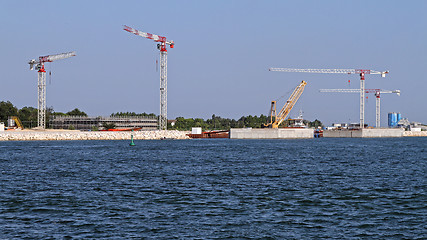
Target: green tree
[
  {"x": 316, "y": 123},
  {"x": 58, "y": 114},
  {"x": 76, "y": 112},
  {"x": 132, "y": 114},
  {"x": 218, "y": 123},
  {"x": 28, "y": 116},
  {"x": 6, "y": 110},
  {"x": 108, "y": 125}
]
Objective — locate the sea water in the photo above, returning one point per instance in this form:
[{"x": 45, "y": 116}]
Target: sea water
[{"x": 214, "y": 189}]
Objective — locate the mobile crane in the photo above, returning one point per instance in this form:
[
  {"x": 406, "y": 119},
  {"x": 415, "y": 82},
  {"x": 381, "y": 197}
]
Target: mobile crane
[{"x": 277, "y": 119}]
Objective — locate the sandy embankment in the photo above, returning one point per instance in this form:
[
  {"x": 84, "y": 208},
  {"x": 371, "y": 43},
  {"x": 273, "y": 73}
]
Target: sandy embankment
[{"x": 29, "y": 135}]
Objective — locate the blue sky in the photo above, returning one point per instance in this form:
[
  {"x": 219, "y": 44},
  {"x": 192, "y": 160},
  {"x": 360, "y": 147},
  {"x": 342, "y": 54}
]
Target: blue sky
[{"x": 222, "y": 53}]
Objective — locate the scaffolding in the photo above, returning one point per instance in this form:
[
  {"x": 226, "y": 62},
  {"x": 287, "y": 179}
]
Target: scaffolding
[{"x": 91, "y": 123}]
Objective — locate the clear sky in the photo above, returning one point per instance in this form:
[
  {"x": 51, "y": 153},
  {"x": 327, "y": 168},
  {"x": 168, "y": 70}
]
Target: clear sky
[{"x": 222, "y": 53}]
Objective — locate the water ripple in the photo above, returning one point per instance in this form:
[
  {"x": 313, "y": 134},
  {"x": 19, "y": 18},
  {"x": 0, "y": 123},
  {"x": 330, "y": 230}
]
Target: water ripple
[{"x": 214, "y": 189}]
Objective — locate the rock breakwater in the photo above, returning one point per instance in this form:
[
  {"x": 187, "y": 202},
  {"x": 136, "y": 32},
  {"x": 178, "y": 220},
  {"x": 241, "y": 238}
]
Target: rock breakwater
[
  {"x": 415, "y": 134},
  {"x": 96, "y": 135}
]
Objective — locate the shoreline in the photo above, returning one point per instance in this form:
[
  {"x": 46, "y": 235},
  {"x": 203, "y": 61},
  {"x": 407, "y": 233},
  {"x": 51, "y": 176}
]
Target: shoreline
[
  {"x": 59, "y": 135},
  {"x": 67, "y": 135}
]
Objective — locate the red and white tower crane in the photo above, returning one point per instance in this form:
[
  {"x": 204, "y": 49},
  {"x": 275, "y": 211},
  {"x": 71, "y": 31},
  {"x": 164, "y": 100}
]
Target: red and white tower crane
[
  {"x": 162, "y": 42},
  {"x": 377, "y": 93},
  {"x": 361, "y": 72},
  {"x": 41, "y": 83}
]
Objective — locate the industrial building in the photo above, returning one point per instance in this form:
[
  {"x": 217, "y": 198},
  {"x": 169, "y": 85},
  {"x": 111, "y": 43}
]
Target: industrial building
[
  {"x": 91, "y": 123},
  {"x": 393, "y": 119}
]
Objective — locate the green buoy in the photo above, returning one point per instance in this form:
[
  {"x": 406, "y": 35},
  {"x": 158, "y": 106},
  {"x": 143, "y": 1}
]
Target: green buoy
[{"x": 131, "y": 138}]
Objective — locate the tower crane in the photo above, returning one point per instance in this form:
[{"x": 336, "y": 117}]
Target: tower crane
[
  {"x": 377, "y": 93},
  {"x": 162, "y": 42},
  {"x": 41, "y": 83},
  {"x": 361, "y": 72},
  {"x": 279, "y": 118}
]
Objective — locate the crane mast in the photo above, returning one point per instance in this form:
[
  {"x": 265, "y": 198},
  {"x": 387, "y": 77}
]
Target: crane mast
[
  {"x": 163, "y": 119},
  {"x": 279, "y": 118},
  {"x": 377, "y": 93},
  {"x": 361, "y": 72},
  {"x": 41, "y": 83}
]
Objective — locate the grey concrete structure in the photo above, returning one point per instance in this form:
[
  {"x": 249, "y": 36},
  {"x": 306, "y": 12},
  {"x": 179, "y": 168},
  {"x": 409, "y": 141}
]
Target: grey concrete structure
[
  {"x": 268, "y": 133},
  {"x": 364, "y": 133}
]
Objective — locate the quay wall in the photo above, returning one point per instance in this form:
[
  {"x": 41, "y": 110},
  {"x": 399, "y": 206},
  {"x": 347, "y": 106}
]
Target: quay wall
[
  {"x": 342, "y": 134},
  {"x": 29, "y": 135},
  {"x": 364, "y": 133},
  {"x": 235, "y": 133},
  {"x": 268, "y": 133}
]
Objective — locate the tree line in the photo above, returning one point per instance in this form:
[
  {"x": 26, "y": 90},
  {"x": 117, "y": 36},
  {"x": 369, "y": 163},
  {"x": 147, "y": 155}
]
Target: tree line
[
  {"x": 219, "y": 123},
  {"x": 28, "y": 117},
  {"x": 133, "y": 114}
]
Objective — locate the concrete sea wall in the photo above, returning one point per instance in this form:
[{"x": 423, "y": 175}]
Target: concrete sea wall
[
  {"x": 268, "y": 133},
  {"x": 364, "y": 133},
  {"x": 28, "y": 135}
]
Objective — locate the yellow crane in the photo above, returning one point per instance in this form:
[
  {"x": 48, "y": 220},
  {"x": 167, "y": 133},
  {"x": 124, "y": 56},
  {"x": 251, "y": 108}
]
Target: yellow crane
[
  {"x": 277, "y": 119},
  {"x": 18, "y": 122}
]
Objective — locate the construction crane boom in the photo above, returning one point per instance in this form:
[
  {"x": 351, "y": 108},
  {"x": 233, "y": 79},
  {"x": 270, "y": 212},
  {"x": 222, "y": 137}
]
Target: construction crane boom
[
  {"x": 163, "y": 70},
  {"x": 154, "y": 37},
  {"x": 290, "y": 103},
  {"x": 347, "y": 90},
  {"x": 41, "y": 83},
  {"x": 49, "y": 58},
  {"x": 342, "y": 71},
  {"x": 377, "y": 93},
  {"x": 361, "y": 72}
]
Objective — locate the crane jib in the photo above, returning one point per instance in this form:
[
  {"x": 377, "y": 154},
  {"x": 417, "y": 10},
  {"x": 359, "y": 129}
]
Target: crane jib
[
  {"x": 342, "y": 71},
  {"x": 154, "y": 37}
]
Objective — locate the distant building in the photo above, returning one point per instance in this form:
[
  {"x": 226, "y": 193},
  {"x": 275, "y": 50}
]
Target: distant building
[
  {"x": 90, "y": 123},
  {"x": 404, "y": 123},
  {"x": 357, "y": 125},
  {"x": 340, "y": 126},
  {"x": 172, "y": 122}
]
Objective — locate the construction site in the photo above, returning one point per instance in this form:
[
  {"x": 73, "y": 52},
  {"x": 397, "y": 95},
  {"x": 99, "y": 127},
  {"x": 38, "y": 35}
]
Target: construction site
[{"x": 273, "y": 129}]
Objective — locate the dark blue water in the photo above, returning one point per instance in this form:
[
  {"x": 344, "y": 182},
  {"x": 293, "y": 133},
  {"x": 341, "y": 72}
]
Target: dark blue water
[{"x": 214, "y": 189}]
